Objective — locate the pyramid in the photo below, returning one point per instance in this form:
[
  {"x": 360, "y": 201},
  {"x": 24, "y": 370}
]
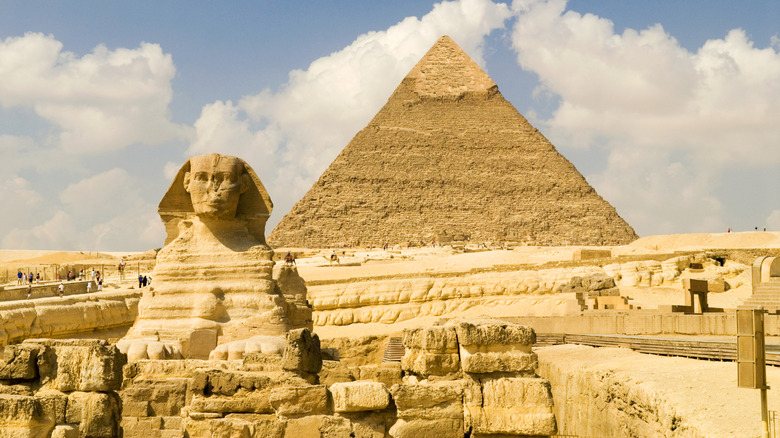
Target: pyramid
[{"x": 449, "y": 156}]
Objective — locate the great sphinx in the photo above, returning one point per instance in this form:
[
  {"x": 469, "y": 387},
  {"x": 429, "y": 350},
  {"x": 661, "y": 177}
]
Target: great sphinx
[{"x": 214, "y": 277}]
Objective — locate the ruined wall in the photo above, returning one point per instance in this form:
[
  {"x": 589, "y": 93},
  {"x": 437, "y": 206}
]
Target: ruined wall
[
  {"x": 486, "y": 387},
  {"x": 60, "y": 388},
  {"x": 67, "y": 316},
  {"x": 391, "y": 300}
]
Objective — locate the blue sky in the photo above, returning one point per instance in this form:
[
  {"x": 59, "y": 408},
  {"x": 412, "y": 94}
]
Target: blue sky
[{"x": 668, "y": 108}]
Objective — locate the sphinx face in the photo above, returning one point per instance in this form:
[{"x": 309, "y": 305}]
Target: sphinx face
[{"x": 215, "y": 184}]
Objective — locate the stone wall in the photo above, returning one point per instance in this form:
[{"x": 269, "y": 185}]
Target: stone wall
[
  {"x": 487, "y": 387},
  {"x": 391, "y": 300},
  {"x": 60, "y": 388},
  {"x": 67, "y": 316}
]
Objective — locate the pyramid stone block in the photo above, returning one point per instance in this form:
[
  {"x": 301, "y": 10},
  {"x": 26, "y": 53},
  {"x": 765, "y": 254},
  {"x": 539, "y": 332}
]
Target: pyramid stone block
[{"x": 449, "y": 156}]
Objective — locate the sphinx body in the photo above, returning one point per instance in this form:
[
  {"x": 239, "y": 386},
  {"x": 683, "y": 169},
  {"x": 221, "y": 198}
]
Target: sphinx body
[{"x": 214, "y": 277}]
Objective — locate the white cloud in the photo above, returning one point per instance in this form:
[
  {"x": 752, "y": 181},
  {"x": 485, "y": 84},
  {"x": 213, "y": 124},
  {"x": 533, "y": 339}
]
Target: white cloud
[
  {"x": 101, "y": 212},
  {"x": 671, "y": 119},
  {"x": 291, "y": 135},
  {"x": 102, "y": 101}
]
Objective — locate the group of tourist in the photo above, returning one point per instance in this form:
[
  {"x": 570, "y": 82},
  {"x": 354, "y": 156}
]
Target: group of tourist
[
  {"x": 20, "y": 278},
  {"x": 144, "y": 281}
]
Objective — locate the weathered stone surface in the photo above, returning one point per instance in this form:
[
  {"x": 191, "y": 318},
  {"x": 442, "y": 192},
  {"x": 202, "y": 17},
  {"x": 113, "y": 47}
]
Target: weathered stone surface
[
  {"x": 512, "y": 405},
  {"x": 439, "y": 428},
  {"x": 59, "y": 317},
  {"x": 388, "y": 373},
  {"x": 257, "y": 402},
  {"x": 409, "y": 175},
  {"x": 292, "y": 401},
  {"x": 79, "y": 365},
  {"x": 53, "y": 404},
  {"x": 428, "y": 409},
  {"x": 488, "y": 346},
  {"x": 431, "y": 351},
  {"x": 65, "y": 431},
  {"x": 19, "y": 413},
  {"x": 236, "y": 425},
  {"x": 359, "y": 396},
  {"x": 19, "y": 362},
  {"x": 97, "y": 414},
  {"x": 318, "y": 426},
  {"x": 359, "y": 350},
  {"x": 302, "y": 352},
  {"x": 334, "y": 371},
  {"x": 493, "y": 331},
  {"x": 154, "y": 397}
]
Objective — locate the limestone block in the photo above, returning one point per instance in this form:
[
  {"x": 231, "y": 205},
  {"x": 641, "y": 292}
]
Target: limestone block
[
  {"x": 318, "y": 426},
  {"x": 79, "y": 365},
  {"x": 22, "y": 416},
  {"x": 53, "y": 404},
  {"x": 334, "y": 371},
  {"x": 65, "y": 431},
  {"x": 257, "y": 402},
  {"x": 302, "y": 352},
  {"x": 370, "y": 424},
  {"x": 292, "y": 401},
  {"x": 439, "y": 428},
  {"x": 135, "y": 427},
  {"x": 437, "y": 399},
  {"x": 359, "y": 396},
  {"x": 513, "y": 405},
  {"x": 431, "y": 351},
  {"x": 218, "y": 427},
  {"x": 388, "y": 373},
  {"x": 261, "y": 426},
  {"x": 19, "y": 362},
  {"x": 96, "y": 413},
  {"x": 488, "y": 346}
]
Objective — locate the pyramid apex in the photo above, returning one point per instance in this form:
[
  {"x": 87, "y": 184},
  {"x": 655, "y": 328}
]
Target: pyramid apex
[{"x": 446, "y": 70}]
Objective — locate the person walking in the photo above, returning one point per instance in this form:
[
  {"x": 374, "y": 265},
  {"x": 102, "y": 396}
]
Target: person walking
[
  {"x": 62, "y": 290},
  {"x": 89, "y": 286},
  {"x": 29, "y": 291},
  {"x": 19, "y": 277},
  {"x": 100, "y": 285},
  {"x": 140, "y": 281}
]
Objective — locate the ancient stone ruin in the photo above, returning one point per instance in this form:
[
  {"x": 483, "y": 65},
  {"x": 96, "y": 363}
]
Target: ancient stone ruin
[
  {"x": 214, "y": 281},
  {"x": 448, "y": 156}
]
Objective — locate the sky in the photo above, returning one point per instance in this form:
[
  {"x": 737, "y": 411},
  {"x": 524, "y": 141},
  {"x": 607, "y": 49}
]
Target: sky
[{"x": 670, "y": 109}]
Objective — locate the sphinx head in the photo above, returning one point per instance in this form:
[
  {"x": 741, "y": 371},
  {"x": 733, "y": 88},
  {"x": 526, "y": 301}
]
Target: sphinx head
[{"x": 215, "y": 183}]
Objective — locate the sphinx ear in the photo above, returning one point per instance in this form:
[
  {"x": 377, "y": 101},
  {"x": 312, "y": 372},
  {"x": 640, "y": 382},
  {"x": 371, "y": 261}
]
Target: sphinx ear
[
  {"x": 246, "y": 181},
  {"x": 187, "y": 182}
]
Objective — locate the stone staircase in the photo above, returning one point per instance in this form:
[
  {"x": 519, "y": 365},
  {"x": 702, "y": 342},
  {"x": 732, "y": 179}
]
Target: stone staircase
[
  {"x": 395, "y": 350},
  {"x": 766, "y": 295}
]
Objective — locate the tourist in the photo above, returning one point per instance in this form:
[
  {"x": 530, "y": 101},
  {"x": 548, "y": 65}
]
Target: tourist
[
  {"x": 30, "y": 277},
  {"x": 145, "y": 281},
  {"x": 140, "y": 281},
  {"x": 100, "y": 284},
  {"x": 29, "y": 291},
  {"x": 19, "y": 277},
  {"x": 37, "y": 277},
  {"x": 62, "y": 289},
  {"x": 89, "y": 286}
]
